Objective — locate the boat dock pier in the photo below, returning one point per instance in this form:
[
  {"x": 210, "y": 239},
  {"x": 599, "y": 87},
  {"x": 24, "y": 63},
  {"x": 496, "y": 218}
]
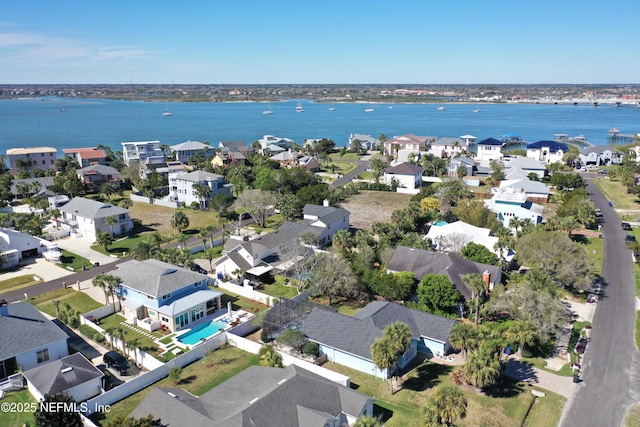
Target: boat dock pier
[{"x": 616, "y": 136}]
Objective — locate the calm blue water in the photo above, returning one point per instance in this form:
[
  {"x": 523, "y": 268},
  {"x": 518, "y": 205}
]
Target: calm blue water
[
  {"x": 88, "y": 122},
  {"x": 203, "y": 331}
]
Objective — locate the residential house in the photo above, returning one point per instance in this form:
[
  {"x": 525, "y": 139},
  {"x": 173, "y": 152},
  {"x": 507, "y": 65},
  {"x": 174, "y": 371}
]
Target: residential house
[
  {"x": 225, "y": 158},
  {"x": 86, "y": 217},
  {"x": 16, "y": 246},
  {"x": 512, "y": 203},
  {"x": 408, "y": 177},
  {"x": 527, "y": 164},
  {"x": 142, "y": 153},
  {"x": 467, "y": 140},
  {"x": 274, "y": 144},
  {"x": 347, "y": 340},
  {"x": 260, "y": 396},
  {"x": 28, "y": 338},
  {"x": 72, "y": 374},
  {"x": 547, "y": 151},
  {"x": 533, "y": 189},
  {"x": 489, "y": 149},
  {"x": 456, "y": 163},
  {"x": 367, "y": 142},
  {"x": 31, "y": 158},
  {"x": 407, "y": 142},
  {"x": 447, "y": 147},
  {"x": 161, "y": 294},
  {"x": 327, "y": 218},
  {"x": 235, "y": 146},
  {"x": 186, "y": 150},
  {"x": 294, "y": 159},
  {"x": 634, "y": 153},
  {"x": 409, "y": 156},
  {"x": 37, "y": 187},
  {"x": 163, "y": 168},
  {"x": 452, "y": 237},
  {"x": 421, "y": 263},
  {"x": 182, "y": 185},
  {"x": 600, "y": 156},
  {"x": 87, "y": 156},
  {"x": 95, "y": 175}
]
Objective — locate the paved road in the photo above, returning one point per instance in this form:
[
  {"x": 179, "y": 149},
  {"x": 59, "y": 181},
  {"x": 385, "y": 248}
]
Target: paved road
[
  {"x": 611, "y": 368},
  {"x": 363, "y": 165}
]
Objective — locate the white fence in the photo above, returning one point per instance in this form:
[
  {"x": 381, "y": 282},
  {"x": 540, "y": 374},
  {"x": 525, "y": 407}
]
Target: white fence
[
  {"x": 124, "y": 390},
  {"x": 287, "y": 359},
  {"x": 159, "y": 202},
  {"x": 248, "y": 292},
  {"x": 103, "y": 311}
]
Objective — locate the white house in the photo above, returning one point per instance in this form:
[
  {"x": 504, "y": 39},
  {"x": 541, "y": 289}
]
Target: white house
[
  {"x": 274, "y": 144},
  {"x": 512, "y": 203},
  {"x": 407, "y": 142},
  {"x": 15, "y": 246},
  {"x": 598, "y": 156},
  {"x": 367, "y": 142},
  {"x": 327, "y": 218},
  {"x": 186, "y": 150},
  {"x": 408, "y": 177},
  {"x": 28, "y": 338},
  {"x": 86, "y": 217},
  {"x": 547, "y": 151},
  {"x": 142, "y": 152},
  {"x": 454, "y": 236},
  {"x": 525, "y": 164},
  {"x": 535, "y": 189},
  {"x": 182, "y": 184},
  {"x": 489, "y": 149},
  {"x": 72, "y": 374},
  {"x": 447, "y": 147}
]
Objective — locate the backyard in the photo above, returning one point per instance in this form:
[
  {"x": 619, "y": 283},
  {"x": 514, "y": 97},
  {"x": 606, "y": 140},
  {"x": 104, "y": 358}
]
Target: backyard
[
  {"x": 17, "y": 418},
  {"x": 79, "y": 301},
  {"x": 369, "y": 207}
]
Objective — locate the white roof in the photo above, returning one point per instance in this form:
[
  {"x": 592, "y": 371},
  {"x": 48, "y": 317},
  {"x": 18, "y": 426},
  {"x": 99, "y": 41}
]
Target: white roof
[
  {"x": 529, "y": 187},
  {"x": 454, "y": 236}
]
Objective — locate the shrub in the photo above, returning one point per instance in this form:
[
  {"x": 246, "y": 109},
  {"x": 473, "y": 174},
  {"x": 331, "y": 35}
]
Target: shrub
[
  {"x": 74, "y": 322},
  {"x": 195, "y": 205},
  {"x": 311, "y": 348},
  {"x": 88, "y": 331},
  {"x": 293, "y": 339},
  {"x": 264, "y": 335},
  {"x": 99, "y": 338}
]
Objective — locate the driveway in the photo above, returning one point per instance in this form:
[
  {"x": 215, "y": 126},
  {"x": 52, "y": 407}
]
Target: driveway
[
  {"x": 82, "y": 246},
  {"x": 38, "y": 267},
  {"x": 564, "y": 386}
]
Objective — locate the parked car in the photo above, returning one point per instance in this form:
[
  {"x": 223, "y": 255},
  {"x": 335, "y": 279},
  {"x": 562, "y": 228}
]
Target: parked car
[
  {"x": 630, "y": 238},
  {"x": 626, "y": 226},
  {"x": 581, "y": 346},
  {"x": 198, "y": 269},
  {"x": 113, "y": 359},
  {"x": 603, "y": 172},
  {"x": 598, "y": 213}
]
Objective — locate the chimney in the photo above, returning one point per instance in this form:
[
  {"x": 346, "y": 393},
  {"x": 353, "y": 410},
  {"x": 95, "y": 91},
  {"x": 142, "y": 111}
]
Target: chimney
[
  {"x": 326, "y": 203},
  {"x": 486, "y": 279}
]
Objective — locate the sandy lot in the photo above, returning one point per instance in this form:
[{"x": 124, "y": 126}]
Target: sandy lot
[{"x": 369, "y": 207}]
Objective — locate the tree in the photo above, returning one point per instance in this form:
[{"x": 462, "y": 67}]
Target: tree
[
  {"x": 121, "y": 331},
  {"x": 475, "y": 283},
  {"x": 64, "y": 415},
  {"x": 447, "y": 404},
  {"x": 107, "y": 190},
  {"x": 108, "y": 283},
  {"x": 400, "y": 335},
  {"x": 332, "y": 277},
  {"x": 392, "y": 286},
  {"x": 464, "y": 337},
  {"x": 474, "y": 212},
  {"x": 142, "y": 250},
  {"x": 367, "y": 421},
  {"x": 111, "y": 220},
  {"x": 342, "y": 241},
  {"x": 104, "y": 240},
  {"x": 203, "y": 192},
  {"x": 125, "y": 203},
  {"x": 438, "y": 295},
  {"x": 521, "y": 332},
  {"x": 210, "y": 254},
  {"x": 175, "y": 375},
  {"x": 56, "y": 304},
  {"x": 384, "y": 357},
  {"x": 269, "y": 357},
  {"x": 133, "y": 345},
  {"x": 256, "y": 203},
  {"x": 483, "y": 366},
  {"x": 377, "y": 167},
  {"x": 479, "y": 253},
  {"x": 179, "y": 221},
  {"x": 430, "y": 204},
  {"x": 292, "y": 338}
]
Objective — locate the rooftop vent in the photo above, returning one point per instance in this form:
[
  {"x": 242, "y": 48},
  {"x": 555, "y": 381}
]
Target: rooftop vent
[
  {"x": 171, "y": 394},
  {"x": 282, "y": 381},
  {"x": 65, "y": 370},
  {"x": 254, "y": 401}
]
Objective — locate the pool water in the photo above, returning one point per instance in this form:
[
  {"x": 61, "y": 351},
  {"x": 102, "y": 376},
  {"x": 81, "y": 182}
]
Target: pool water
[{"x": 203, "y": 331}]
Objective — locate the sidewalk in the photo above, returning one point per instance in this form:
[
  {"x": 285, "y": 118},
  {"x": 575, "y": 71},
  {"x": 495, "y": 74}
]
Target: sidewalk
[{"x": 563, "y": 386}]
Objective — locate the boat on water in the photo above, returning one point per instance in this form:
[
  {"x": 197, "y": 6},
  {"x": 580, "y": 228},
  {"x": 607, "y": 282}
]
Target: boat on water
[
  {"x": 62, "y": 110},
  {"x": 299, "y": 108},
  {"x": 333, "y": 107},
  {"x": 268, "y": 110},
  {"x": 441, "y": 108},
  {"x": 477, "y": 110},
  {"x": 368, "y": 110},
  {"x": 167, "y": 112}
]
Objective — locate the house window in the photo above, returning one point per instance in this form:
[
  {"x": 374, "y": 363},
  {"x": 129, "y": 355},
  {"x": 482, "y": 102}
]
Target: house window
[
  {"x": 164, "y": 319},
  {"x": 41, "y": 154},
  {"x": 167, "y": 296},
  {"x": 152, "y": 313},
  {"x": 43, "y": 355},
  {"x": 121, "y": 216},
  {"x": 150, "y": 297}
]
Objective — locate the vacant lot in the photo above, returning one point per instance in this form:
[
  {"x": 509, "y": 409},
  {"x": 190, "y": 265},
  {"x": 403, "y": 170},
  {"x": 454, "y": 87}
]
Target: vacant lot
[
  {"x": 369, "y": 207},
  {"x": 159, "y": 217}
]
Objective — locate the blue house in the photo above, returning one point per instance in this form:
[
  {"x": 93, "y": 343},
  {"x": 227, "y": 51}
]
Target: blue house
[
  {"x": 157, "y": 294},
  {"x": 347, "y": 339}
]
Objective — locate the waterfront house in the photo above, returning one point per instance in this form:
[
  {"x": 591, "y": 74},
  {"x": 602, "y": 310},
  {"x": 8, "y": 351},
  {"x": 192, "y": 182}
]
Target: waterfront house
[
  {"x": 347, "y": 340},
  {"x": 527, "y": 165},
  {"x": 142, "y": 153},
  {"x": 600, "y": 156},
  {"x": 235, "y": 146},
  {"x": 408, "y": 177},
  {"x": 512, "y": 203},
  {"x": 29, "y": 339},
  {"x": 95, "y": 175},
  {"x": 421, "y": 262},
  {"x": 31, "y": 158},
  {"x": 186, "y": 150},
  {"x": 73, "y": 374},
  {"x": 367, "y": 142},
  {"x": 407, "y": 142},
  {"x": 86, "y": 156},
  {"x": 261, "y": 396},
  {"x": 489, "y": 149},
  {"x": 447, "y": 147},
  {"x": 181, "y": 185},
  {"x": 547, "y": 151},
  {"x": 86, "y": 217},
  {"x": 157, "y": 294},
  {"x": 274, "y": 144}
]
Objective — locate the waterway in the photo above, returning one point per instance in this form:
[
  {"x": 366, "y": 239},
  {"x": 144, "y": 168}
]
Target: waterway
[{"x": 88, "y": 122}]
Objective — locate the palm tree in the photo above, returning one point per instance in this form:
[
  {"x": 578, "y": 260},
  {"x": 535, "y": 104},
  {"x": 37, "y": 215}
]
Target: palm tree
[
  {"x": 400, "y": 335},
  {"x": 383, "y": 355},
  {"x": 125, "y": 203},
  {"x": 367, "y": 421},
  {"x": 101, "y": 281},
  {"x": 121, "y": 331},
  {"x": 133, "y": 345},
  {"x": 111, "y": 220},
  {"x": 463, "y": 337},
  {"x": 568, "y": 224},
  {"x": 111, "y": 331},
  {"x": 142, "y": 250},
  {"x": 475, "y": 283},
  {"x": 449, "y": 404},
  {"x": 56, "y": 304},
  {"x": 521, "y": 332},
  {"x": 23, "y": 189},
  {"x": 482, "y": 367},
  {"x": 269, "y": 357},
  {"x": 180, "y": 221},
  {"x": 104, "y": 240},
  {"x": 210, "y": 254},
  {"x": 342, "y": 241},
  {"x": 203, "y": 192},
  {"x": 107, "y": 190},
  {"x": 155, "y": 238}
]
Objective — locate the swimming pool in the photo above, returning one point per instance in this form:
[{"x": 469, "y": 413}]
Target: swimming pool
[{"x": 203, "y": 331}]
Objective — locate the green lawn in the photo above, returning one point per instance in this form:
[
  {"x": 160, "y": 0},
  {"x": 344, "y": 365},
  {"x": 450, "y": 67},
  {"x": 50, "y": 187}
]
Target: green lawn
[
  {"x": 594, "y": 252},
  {"x": 122, "y": 247},
  {"x": 79, "y": 301},
  {"x": 617, "y": 193},
  {"x": 507, "y": 406},
  {"x": 633, "y": 416},
  {"x": 17, "y": 418},
  {"x": 279, "y": 289},
  {"x": 76, "y": 262},
  {"x": 240, "y": 303},
  {"x": 272, "y": 224},
  {"x": 147, "y": 344},
  {"x": 197, "y": 378},
  {"x": 18, "y": 282}
]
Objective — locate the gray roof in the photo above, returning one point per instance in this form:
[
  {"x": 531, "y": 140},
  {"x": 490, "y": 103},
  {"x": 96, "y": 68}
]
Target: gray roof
[
  {"x": 92, "y": 209},
  {"x": 356, "y": 334},
  {"x": 599, "y": 149},
  {"x": 191, "y": 145},
  {"x": 46, "y": 181},
  {"x": 189, "y": 301},
  {"x": 446, "y": 141},
  {"x": 241, "y": 146},
  {"x": 326, "y": 214},
  {"x": 524, "y": 163},
  {"x": 199, "y": 176},
  {"x": 404, "y": 169},
  {"x": 50, "y": 378},
  {"x": 421, "y": 263},
  {"x": 24, "y": 328},
  {"x": 101, "y": 169},
  {"x": 258, "y": 396},
  {"x": 156, "y": 278}
]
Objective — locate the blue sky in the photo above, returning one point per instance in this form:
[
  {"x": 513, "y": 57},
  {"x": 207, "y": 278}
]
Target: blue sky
[{"x": 328, "y": 41}]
